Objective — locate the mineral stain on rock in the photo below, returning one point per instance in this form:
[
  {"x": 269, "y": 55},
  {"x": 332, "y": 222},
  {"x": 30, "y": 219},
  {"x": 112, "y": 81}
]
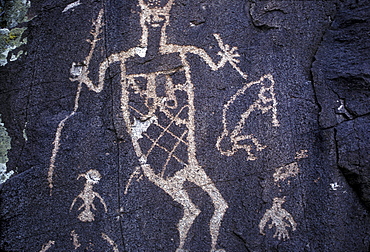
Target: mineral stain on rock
[
  {"x": 4, "y": 147},
  {"x": 14, "y": 13}
]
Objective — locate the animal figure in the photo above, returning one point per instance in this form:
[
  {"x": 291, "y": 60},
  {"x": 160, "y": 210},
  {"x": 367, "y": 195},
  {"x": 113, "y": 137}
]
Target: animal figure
[{"x": 234, "y": 133}]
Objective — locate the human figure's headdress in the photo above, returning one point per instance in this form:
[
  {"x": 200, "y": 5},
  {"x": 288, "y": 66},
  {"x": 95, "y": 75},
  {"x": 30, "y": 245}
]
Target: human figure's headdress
[{"x": 156, "y": 4}]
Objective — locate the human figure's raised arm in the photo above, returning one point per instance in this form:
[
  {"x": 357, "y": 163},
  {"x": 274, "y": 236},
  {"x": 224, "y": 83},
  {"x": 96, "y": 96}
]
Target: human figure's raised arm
[
  {"x": 227, "y": 54},
  {"x": 266, "y": 217}
]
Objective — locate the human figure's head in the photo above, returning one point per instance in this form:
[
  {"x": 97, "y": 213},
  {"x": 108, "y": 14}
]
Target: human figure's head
[
  {"x": 154, "y": 13},
  {"x": 278, "y": 201},
  {"x": 92, "y": 176}
]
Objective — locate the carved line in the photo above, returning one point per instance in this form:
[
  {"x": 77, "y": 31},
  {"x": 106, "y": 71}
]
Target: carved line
[
  {"x": 82, "y": 79},
  {"x": 47, "y": 245},
  {"x": 163, "y": 148},
  {"x": 75, "y": 237},
  {"x": 163, "y": 132},
  {"x": 110, "y": 241},
  {"x": 235, "y": 136},
  {"x": 170, "y": 154}
]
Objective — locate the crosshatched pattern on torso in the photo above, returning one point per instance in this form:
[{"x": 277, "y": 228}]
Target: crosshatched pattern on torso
[{"x": 161, "y": 98}]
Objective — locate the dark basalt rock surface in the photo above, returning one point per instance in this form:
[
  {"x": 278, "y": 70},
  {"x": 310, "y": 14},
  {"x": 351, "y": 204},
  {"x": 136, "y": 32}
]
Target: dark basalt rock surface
[
  {"x": 342, "y": 83},
  {"x": 305, "y": 189}
]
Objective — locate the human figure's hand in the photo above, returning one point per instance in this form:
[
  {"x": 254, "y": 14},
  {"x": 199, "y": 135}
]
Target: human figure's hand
[
  {"x": 281, "y": 232},
  {"x": 78, "y": 71},
  {"x": 229, "y": 54}
]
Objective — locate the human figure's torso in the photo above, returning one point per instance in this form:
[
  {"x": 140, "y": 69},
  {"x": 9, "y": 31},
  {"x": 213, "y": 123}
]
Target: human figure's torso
[{"x": 157, "y": 91}]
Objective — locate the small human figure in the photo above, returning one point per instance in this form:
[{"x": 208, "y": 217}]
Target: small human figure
[
  {"x": 88, "y": 195},
  {"x": 277, "y": 214}
]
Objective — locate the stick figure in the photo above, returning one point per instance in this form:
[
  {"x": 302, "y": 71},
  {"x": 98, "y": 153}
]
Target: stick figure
[
  {"x": 277, "y": 214},
  {"x": 88, "y": 195}
]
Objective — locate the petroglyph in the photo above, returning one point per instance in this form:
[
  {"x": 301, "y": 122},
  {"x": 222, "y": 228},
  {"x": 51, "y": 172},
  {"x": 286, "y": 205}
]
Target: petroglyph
[
  {"x": 72, "y": 5},
  {"x": 111, "y": 242},
  {"x": 291, "y": 169},
  {"x": 162, "y": 123},
  {"x": 47, "y": 245},
  {"x": 277, "y": 214},
  {"x": 136, "y": 173},
  {"x": 79, "y": 73},
  {"x": 178, "y": 111},
  {"x": 286, "y": 171},
  {"x": 88, "y": 195},
  {"x": 75, "y": 237},
  {"x": 265, "y": 102},
  {"x": 301, "y": 154}
]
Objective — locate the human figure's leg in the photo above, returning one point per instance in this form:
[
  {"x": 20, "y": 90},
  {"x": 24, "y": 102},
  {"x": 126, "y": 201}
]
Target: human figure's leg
[
  {"x": 174, "y": 187},
  {"x": 201, "y": 179}
]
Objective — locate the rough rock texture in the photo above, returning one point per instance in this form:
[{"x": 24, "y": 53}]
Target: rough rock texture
[
  {"x": 270, "y": 152},
  {"x": 12, "y": 14},
  {"x": 342, "y": 81}
]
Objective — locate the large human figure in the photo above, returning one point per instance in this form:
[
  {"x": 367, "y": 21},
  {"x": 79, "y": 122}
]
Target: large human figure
[{"x": 157, "y": 106}]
